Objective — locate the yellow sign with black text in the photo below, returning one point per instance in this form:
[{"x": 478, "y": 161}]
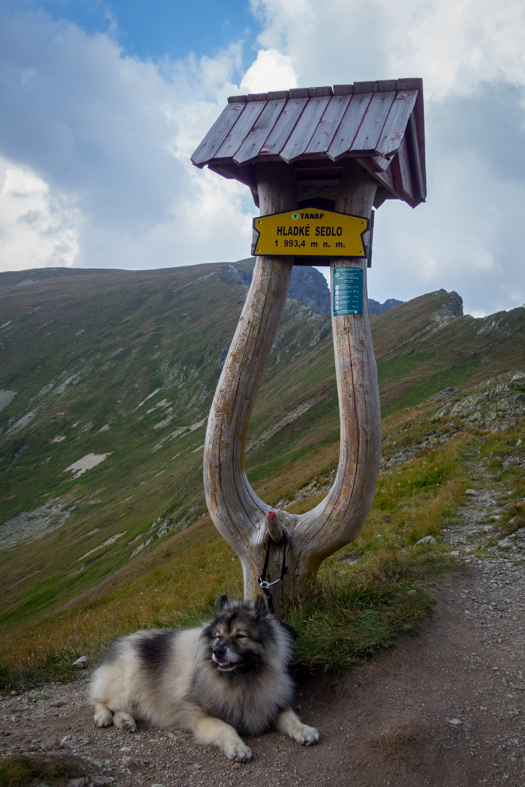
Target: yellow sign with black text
[{"x": 310, "y": 232}]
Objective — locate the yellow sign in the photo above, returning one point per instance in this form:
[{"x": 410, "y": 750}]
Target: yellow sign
[{"x": 310, "y": 232}]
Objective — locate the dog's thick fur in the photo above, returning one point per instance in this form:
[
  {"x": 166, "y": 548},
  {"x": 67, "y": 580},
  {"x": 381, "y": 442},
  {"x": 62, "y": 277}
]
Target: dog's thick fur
[{"x": 226, "y": 678}]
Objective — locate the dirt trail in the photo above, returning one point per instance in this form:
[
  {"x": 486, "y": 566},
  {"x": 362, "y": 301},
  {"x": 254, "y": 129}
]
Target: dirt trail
[{"x": 444, "y": 709}]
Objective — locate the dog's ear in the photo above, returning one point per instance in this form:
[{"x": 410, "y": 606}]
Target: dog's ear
[
  {"x": 260, "y": 606},
  {"x": 223, "y": 601}
]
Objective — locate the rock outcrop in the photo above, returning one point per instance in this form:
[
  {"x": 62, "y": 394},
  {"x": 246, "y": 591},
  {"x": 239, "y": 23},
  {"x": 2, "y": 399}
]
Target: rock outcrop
[
  {"x": 452, "y": 306},
  {"x": 374, "y": 307},
  {"x": 310, "y": 288},
  {"x": 493, "y": 406}
]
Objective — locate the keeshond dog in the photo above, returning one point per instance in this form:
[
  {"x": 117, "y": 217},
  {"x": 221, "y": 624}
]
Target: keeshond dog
[{"x": 222, "y": 680}]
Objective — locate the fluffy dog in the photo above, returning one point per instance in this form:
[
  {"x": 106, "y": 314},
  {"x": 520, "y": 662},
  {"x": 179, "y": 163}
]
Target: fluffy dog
[{"x": 225, "y": 679}]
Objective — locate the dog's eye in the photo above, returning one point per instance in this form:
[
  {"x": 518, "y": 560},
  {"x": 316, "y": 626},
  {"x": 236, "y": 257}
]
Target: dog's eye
[{"x": 241, "y": 636}]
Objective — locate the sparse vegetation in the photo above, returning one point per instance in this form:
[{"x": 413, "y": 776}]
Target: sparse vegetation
[
  {"x": 372, "y": 592},
  {"x": 126, "y": 365},
  {"x": 18, "y": 770},
  {"x": 361, "y": 604}
]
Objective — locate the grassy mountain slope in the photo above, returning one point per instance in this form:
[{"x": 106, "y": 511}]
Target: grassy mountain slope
[
  {"x": 123, "y": 366},
  {"x": 423, "y": 346}
]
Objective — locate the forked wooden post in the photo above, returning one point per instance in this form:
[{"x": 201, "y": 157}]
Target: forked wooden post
[
  {"x": 262, "y": 141},
  {"x": 239, "y": 515}
]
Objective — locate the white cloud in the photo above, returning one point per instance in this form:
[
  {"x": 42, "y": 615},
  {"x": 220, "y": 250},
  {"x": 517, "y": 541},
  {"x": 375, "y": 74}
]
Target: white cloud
[
  {"x": 471, "y": 57},
  {"x": 112, "y": 136},
  {"x": 456, "y": 45},
  {"x": 467, "y": 237},
  {"x": 461, "y": 243},
  {"x": 271, "y": 70},
  {"x": 96, "y": 145},
  {"x": 36, "y": 228},
  {"x": 451, "y": 45}
]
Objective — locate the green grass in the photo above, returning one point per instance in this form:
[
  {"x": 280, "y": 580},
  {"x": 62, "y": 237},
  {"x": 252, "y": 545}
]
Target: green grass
[
  {"x": 341, "y": 625},
  {"x": 425, "y": 383},
  {"x": 163, "y": 325},
  {"x": 19, "y": 770},
  {"x": 373, "y": 592},
  {"x": 401, "y": 364},
  {"x": 495, "y": 449},
  {"x": 367, "y": 595},
  {"x": 356, "y": 608},
  {"x": 276, "y": 465}
]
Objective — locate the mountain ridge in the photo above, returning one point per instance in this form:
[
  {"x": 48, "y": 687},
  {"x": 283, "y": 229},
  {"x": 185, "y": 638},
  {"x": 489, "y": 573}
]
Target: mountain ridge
[
  {"x": 118, "y": 375},
  {"x": 307, "y": 285}
]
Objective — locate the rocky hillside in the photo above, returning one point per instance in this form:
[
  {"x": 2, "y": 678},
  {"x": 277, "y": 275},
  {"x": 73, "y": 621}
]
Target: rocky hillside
[
  {"x": 309, "y": 287},
  {"x": 106, "y": 381}
]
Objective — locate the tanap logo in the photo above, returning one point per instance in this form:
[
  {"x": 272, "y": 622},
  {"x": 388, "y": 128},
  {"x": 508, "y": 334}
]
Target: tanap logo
[{"x": 295, "y": 216}]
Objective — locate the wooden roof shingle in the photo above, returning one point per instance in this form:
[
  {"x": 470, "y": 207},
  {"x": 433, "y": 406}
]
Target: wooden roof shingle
[{"x": 380, "y": 124}]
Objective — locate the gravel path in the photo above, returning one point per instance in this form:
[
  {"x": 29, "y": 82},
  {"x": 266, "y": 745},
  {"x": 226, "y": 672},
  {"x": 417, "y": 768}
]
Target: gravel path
[{"x": 443, "y": 709}]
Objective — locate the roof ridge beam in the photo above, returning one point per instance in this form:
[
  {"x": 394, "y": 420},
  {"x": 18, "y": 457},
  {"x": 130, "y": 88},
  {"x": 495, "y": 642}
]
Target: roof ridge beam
[
  {"x": 365, "y": 87},
  {"x": 415, "y": 83},
  {"x": 316, "y": 92},
  {"x": 343, "y": 90},
  {"x": 276, "y": 94},
  {"x": 387, "y": 85},
  {"x": 299, "y": 92}
]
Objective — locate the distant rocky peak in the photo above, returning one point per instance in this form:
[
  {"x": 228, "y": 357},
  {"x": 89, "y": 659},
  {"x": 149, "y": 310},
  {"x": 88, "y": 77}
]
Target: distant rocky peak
[
  {"x": 307, "y": 285},
  {"x": 452, "y": 306},
  {"x": 374, "y": 307},
  {"x": 310, "y": 287},
  {"x": 236, "y": 275}
]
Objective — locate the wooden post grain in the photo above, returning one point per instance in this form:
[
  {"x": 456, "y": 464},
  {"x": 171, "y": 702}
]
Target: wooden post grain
[{"x": 239, "y": 515}]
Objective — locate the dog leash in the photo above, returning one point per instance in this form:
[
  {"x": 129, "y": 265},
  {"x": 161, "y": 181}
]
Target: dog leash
[{"x": 264, "y": 584}]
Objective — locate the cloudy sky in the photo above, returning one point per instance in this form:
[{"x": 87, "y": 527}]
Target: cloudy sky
[{"x": 102, "y": 104}]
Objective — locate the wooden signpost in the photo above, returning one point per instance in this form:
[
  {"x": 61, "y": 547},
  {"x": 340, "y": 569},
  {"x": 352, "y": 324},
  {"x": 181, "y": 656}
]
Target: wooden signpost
[{"x": 317, "y": 160}]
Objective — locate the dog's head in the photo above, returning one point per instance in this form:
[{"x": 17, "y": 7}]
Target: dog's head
[{"x": 242, "y": 636}]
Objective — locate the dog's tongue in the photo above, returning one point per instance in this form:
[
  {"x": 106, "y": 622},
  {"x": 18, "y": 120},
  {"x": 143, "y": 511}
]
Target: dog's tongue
[{"x": 223, "y": 663}]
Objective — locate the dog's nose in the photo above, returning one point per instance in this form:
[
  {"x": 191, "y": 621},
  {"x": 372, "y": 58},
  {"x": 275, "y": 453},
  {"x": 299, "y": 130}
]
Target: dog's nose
[{"x": 219, "y": 651}]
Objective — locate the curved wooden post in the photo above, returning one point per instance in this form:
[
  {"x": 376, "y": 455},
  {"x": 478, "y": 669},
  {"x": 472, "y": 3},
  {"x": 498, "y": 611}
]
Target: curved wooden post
[{"x": 239, "y": 515}]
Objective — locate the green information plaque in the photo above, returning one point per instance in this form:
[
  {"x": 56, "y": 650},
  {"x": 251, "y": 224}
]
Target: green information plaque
[{"x": 348, "y": 291}]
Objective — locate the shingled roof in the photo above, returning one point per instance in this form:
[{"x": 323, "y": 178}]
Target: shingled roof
[{"x": 314, "y": 129}]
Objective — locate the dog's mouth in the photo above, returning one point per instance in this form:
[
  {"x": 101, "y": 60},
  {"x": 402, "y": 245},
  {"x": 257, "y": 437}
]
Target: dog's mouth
[{"x": 223, "y": 665}]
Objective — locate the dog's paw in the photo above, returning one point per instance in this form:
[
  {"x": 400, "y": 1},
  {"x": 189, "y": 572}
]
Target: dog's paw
[
  {"x": 103, "y": 717},
  {"x": 307, "y": 736},
  {"x": 238, "y": 751},
  {"x": 290, "y": 724},
  {"x": 124, "y": 722}
]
